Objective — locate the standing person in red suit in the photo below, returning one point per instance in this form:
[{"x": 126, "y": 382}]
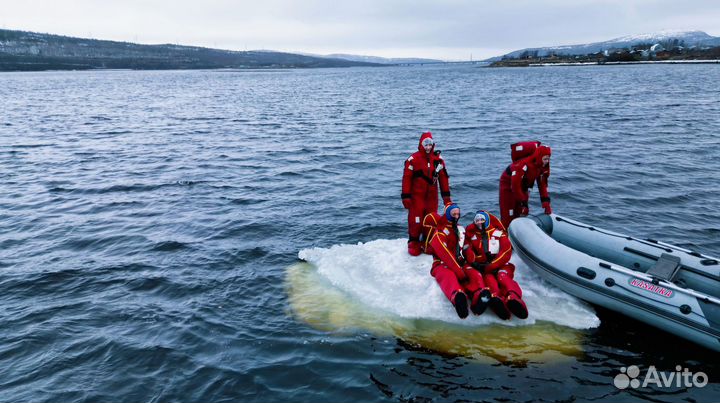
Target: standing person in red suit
[
  {"x": 488, "y": 250},
  {"x": 460, "y": 286},
  {"x": 424, "y": 172},
  {"x": 517, "y": 180}
]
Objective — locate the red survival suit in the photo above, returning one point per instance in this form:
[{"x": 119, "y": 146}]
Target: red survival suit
[
  {"x": 490, "y": 254},
  {"x": 422, "y": 174},
  {"x": 516, "y": 182},
  {"x": 458, "y": 285}
]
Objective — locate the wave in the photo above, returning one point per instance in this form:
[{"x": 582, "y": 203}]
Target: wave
[
  {"x": 169, "y": 246},
  {"x": 136, "y": 187},
  {"x": 38, "y": 145},
  {"x": 200, "y": 118}
]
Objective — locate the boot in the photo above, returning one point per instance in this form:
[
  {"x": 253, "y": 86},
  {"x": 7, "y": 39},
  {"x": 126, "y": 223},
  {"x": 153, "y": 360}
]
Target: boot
[
  {"x": 414, "y": 248},
  {"x": 480, "y": 301},
  {"x": 497, "y": 304},
  {"x": 461, "y": 304},
  {"x": 517, "y": 306}
]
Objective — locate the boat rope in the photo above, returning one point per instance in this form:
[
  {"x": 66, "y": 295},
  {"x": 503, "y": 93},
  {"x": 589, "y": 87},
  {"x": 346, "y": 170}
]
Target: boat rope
[{"x": 649, "y": 242}]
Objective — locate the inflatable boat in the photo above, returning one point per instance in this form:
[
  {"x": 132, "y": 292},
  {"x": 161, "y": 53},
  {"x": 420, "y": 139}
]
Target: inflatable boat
[{"x": 674, "y": 289}]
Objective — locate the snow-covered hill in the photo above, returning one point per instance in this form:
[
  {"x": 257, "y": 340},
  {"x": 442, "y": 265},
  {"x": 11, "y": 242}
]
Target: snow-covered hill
[{"x": 684, "y": 38}]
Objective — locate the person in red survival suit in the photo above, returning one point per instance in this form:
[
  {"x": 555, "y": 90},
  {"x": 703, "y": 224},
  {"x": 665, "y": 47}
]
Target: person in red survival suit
[
  {"x": 460, "y": 286},
  {"x": 424, "y": 171},
  {"x": 517, "y": 180},
  {"x": 488, "y": 250}
]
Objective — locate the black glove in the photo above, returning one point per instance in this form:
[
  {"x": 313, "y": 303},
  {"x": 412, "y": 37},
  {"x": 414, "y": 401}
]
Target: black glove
[{"x": 478, "y": 266}]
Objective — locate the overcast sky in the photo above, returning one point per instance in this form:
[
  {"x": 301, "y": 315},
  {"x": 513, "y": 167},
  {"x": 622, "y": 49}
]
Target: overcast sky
[{"x": 450, "y": 30}]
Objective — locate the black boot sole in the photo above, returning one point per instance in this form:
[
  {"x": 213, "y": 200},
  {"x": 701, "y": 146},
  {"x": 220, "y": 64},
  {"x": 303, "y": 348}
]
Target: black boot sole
[
  {"x": 481, "y": 305},
  {"x": 497, "y": 305},
  {"x": 517, "y": 309},
  {"x": 461, "y": 305}
]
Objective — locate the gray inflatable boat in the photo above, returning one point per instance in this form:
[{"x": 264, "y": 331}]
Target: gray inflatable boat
[{"x": 671, "y": 288}]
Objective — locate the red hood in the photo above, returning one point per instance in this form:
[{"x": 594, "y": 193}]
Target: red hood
[
  {"x": 540, "y": 152},
  {"x": 426, "y": 135},
  {"x": 445, "y": 218}
]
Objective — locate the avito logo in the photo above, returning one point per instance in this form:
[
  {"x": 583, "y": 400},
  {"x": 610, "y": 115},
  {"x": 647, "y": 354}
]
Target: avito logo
[{"x": 681, "y": 378}]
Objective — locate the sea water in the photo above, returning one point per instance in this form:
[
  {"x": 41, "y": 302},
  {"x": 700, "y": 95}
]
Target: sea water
[{"x": 153, "y": 224}]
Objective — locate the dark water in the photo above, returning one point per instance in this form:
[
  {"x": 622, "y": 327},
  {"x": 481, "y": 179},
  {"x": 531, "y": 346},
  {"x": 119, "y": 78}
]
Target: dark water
[{"x": 147, "y": 220}]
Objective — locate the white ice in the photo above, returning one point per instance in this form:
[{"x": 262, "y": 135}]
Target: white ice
[{"x": 381, "y": 275}]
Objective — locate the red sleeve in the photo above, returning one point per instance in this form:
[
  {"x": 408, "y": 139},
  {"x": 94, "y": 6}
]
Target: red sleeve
[
  {"x": 542, "y": 182},
  {"x": 441, "y": 251},
  {"x": 407, "y": 179},
  {"x": 517, "y": 173},
  {"x": 444, "y": 180}
]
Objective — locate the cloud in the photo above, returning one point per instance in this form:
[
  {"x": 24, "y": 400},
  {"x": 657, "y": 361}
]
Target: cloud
[{"x": 381, "y": 27}]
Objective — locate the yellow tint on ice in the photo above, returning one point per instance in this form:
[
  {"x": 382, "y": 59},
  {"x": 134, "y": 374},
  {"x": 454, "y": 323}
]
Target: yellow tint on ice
[{"x": 324, "y": 307}]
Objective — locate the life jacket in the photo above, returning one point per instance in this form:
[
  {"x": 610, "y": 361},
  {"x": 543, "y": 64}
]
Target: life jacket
[
  {"x": 478, "y": 241},
  {"x": 439, "y": 228}
]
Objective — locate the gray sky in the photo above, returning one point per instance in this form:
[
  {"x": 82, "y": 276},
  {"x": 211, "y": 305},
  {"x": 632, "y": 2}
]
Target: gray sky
[{"x": 450, "y": 30}]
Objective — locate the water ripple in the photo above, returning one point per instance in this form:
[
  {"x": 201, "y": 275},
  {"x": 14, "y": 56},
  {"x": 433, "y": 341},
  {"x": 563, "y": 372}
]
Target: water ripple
[{"x": 148, "y": 217}]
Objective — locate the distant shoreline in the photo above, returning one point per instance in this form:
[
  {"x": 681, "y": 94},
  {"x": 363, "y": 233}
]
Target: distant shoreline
[
  {"x": 211, "y": 69},
  {"x": 717, "y": 61},
  {"x": 570, "y": 62}
]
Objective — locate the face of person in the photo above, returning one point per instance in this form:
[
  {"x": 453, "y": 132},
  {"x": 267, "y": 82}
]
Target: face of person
[
  {"x": 428, "y": 145},
  {"x": 479, "y": 221},
  {"x": 545, "y": 160},
  {"x": 455, "y": 213}
]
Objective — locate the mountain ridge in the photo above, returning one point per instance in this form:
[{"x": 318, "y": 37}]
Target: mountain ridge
[{"x": 25, "y": 50}]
